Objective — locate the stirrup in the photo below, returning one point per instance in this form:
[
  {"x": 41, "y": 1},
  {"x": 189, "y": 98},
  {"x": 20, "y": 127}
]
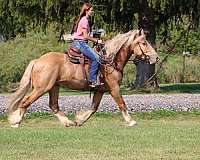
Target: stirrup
[{"x": 95, "y": 84}]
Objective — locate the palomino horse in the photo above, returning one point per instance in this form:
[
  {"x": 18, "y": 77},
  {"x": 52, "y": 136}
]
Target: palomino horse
[{"x": 54, "y": 69}]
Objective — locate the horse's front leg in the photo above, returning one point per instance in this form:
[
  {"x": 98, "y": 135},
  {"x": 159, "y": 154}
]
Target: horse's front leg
[
  {"x": 82, "y": 117},
  {"x": 115, "y": 92}
]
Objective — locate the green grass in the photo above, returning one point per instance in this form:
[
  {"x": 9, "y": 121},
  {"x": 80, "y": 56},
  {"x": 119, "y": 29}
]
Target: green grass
[
  {"x": 159, "y": 135},
  {"x": 181, "y": 88}
]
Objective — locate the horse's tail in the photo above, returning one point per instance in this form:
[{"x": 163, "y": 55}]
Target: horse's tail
[{"x": 25, "y": 84}]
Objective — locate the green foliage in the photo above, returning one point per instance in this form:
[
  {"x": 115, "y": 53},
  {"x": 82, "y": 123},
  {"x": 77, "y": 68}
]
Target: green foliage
[
  {"x": 19, "y": 16},
  {"x": 173, "y": 70},
  {"x": 16, "y": 54},
  {"x": 178, "y": 68},
  {"x": 187, "y": 39}
]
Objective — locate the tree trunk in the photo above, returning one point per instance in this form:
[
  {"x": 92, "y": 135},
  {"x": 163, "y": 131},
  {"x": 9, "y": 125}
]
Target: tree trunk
[{"x": 144, "y": 70}]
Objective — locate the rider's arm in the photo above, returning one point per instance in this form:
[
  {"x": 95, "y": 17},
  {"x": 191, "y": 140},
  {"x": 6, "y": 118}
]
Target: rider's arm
[{"x": 88, "y": 37}]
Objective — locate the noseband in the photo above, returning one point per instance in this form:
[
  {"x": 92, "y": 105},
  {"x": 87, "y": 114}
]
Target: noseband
[{"x": 146, "y": 57}]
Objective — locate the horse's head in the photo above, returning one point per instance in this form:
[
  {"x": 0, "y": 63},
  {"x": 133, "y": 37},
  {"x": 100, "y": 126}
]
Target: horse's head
[
  {"x": 142, "y": 49},
  {"x": 135, "y": 43}
]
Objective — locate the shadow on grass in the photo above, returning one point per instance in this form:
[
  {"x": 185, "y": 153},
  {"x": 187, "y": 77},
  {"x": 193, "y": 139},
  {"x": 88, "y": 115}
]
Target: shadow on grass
[
  {"x": 71, "y": 92},
  {"x": 165, "y": 88},
  {"x": 181, "y": 88}
]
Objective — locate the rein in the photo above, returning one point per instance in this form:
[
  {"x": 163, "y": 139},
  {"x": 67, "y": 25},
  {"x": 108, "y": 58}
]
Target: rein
[
  {"x": 141, "y": 49},
  {"x": 110, "y": 61},
  {"x": 143, "y": 54}
]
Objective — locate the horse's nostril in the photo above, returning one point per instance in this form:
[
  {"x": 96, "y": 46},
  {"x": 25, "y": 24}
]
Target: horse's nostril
[{"x": 157, "y": 59}]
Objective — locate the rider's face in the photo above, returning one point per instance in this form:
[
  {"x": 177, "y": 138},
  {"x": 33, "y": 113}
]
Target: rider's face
[{"x": 90, "y": 11}]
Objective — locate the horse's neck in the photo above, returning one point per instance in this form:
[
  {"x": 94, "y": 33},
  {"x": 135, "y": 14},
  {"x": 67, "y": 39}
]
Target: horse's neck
[{"x": 122, "y": 58}]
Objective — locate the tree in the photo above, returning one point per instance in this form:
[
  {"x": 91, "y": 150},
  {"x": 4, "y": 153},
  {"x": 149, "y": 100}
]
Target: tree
[
  {"x": 20, "y": 16},
  {"x": 154, "y": 14},
  {"x": 144, "y": 70}
]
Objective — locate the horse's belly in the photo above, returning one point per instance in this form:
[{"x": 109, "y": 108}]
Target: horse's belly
[{"x": 77, "y": 84}]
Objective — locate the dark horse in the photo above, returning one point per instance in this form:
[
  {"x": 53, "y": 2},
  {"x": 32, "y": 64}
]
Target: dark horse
[{"x": 54, "y": 69}]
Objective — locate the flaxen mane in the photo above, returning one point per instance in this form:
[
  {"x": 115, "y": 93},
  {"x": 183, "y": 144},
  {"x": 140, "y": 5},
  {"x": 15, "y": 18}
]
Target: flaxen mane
[{"x": 113, "y": 46}]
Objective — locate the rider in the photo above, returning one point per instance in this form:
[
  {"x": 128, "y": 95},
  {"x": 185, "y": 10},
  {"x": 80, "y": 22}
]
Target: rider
[{"x": 81, "y": 36}]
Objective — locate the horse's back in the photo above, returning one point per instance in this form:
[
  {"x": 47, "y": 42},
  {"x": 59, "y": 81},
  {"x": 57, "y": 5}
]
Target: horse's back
[{"x": 52, "y": 57}]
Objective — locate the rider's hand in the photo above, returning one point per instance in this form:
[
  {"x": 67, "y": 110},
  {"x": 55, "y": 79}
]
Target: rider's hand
[{"x": 99, "y": 41}]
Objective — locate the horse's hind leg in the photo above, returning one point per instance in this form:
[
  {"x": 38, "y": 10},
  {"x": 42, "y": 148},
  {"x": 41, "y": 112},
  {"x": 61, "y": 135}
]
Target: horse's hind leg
[
  {"x": 17, "y": 116},
  {"x": 53, "y": 104},
  {"x": 115, "y": 92},
  {"x": 82, "y": 117}
]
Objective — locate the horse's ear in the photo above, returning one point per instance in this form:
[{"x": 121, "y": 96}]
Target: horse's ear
[{"x": 141, "y": 32}]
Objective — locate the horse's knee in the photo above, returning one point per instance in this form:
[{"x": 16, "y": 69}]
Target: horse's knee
[{"x": 25, "y": 102}]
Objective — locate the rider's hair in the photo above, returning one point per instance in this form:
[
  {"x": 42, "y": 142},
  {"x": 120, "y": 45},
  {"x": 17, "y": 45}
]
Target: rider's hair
[{"x": 86, "y": 7}]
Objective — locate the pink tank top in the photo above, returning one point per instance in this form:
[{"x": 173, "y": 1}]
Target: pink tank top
[{"x": 83, "y": 24}]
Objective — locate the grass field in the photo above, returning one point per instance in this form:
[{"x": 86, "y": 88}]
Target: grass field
[{"x": 159, "y": 135}]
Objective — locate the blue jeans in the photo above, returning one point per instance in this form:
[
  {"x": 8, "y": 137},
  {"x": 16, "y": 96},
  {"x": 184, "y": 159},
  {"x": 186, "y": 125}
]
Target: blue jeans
[{"x": 90, "y": 53}]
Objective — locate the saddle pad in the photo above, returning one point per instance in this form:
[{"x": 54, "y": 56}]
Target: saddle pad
[{"x": 76, "y": 57}]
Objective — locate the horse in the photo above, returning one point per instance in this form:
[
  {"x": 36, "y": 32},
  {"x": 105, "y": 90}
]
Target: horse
[{"x": 52, "y": 70}]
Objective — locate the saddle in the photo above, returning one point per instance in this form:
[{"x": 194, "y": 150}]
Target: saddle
[{"x": 75, "y": 56}]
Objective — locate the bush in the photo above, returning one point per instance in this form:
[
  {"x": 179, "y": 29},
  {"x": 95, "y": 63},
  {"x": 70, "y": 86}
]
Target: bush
[{"x": 16, "y": 54}]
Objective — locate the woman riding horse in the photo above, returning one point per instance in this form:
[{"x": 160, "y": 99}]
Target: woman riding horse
[
  {"x": 81, "y": 37},
  {"x": 54, "y": 69}
]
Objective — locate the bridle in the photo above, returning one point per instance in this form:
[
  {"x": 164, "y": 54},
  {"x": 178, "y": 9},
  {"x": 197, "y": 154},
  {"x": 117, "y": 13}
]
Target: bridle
[
  {"x": 146, "y": 57},
  {"x": 110, "y": 61}
]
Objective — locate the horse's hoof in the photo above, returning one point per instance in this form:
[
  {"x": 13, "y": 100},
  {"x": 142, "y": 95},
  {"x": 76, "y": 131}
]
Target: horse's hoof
[
  {"x": 70, "y": 123},
  {"x": 16, "y": 125},
  {"x": 132, "y": 123},
  {"x": 78, "y": 123}
]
